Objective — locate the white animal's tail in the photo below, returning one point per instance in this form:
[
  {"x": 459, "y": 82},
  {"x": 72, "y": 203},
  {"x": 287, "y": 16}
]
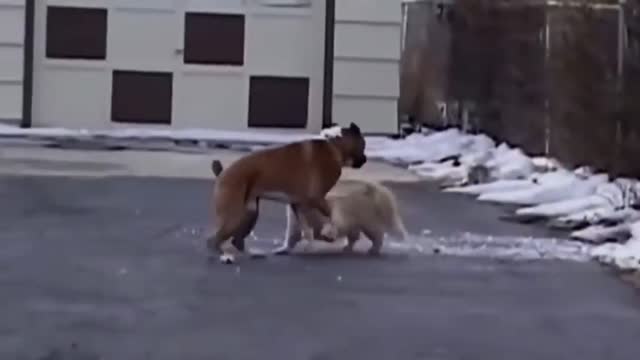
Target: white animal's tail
[{"x": 393, "y": 218}]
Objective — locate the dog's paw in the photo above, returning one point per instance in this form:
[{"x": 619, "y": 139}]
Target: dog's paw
[
  {"x": 329, "y": 231},
  {"x": 227, "y": 259}
]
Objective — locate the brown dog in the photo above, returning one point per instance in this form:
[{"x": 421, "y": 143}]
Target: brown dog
[{"x": 301, "y": 173}]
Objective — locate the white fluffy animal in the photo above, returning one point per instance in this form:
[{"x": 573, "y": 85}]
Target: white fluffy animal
[{"x": 357, "y": 207}]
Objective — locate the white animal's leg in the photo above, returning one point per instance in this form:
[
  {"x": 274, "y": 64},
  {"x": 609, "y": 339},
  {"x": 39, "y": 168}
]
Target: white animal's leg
[
  {"x": 376, "y": 236},
  {"x": 293, "y": 231},
  {"x": 352, "y": 238}
]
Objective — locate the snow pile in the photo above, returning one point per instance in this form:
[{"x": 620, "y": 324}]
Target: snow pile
[
  {"x": 554, "y": 186},
  {"x": 596, "y": 207},
  {"x": 492, "y": 187},
  {"x": 451, "y": 155},
  {"x": 623, "y": 256},
  {"x": 510, "y": 164},
  {"x": 417, "y": 148}
]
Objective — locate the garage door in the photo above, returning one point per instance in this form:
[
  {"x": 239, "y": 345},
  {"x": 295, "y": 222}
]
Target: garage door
[{"x": 224, "y": 64}]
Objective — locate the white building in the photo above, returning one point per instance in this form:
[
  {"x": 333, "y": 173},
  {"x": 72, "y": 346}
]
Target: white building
[{"x": 220, "y": 64}]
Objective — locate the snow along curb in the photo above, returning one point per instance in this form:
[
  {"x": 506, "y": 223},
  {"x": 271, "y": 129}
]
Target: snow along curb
[{"x": 595, "y": 206}]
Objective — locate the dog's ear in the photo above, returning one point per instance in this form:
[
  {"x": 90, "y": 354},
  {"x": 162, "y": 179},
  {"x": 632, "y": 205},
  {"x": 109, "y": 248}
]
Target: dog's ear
[{"x": 355, "y": 129}]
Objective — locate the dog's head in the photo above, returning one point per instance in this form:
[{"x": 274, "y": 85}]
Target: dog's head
[{"x": 353, "y": 146}]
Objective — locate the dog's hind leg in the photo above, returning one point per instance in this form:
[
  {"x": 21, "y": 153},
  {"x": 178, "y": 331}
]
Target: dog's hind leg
[
  {"x": 230, "y": 224},
  {"x": 246, "y": 226},
  {"x": 215, "y": 242}
]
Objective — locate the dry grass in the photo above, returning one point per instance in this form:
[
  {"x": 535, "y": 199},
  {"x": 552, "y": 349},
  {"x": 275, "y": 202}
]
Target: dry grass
[{"x": 492, "y": 58}]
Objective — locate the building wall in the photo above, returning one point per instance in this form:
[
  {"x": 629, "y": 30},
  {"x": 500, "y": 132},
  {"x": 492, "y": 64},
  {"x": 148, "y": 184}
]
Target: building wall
[
  {"x": 101, "y": 64},
  {"x": 366, "y": 87},
  {"x": 274, "y": 79},
  {"x": 11, "y": 59}
]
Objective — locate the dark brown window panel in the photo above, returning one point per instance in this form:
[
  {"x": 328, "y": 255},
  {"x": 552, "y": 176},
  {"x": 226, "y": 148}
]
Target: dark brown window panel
[
  {"x": 278, "y": 101},
  {"x": 214, "y": 39},
  {"x": 76, "y": 33},
  {"x": 141, "y": 97}
]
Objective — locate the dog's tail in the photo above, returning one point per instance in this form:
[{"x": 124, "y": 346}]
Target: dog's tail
[{"x": 216, "y": 167}]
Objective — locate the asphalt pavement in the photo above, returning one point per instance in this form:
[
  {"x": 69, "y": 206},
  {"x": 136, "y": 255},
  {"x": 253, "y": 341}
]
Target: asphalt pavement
[{"x": 116, "y": 268}]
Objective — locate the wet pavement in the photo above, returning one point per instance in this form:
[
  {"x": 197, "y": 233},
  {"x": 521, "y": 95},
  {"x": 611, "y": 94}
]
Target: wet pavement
[{"x": 115, "y": 268}]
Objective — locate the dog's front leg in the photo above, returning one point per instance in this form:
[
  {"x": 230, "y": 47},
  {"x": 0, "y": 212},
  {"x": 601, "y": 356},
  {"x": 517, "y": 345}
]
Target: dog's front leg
[{"x": 329, "y": 230}]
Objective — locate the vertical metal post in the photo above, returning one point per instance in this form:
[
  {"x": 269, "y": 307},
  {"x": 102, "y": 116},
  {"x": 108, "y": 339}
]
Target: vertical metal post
[
  {"x": 27, "y": 65},
  {"x": 619, "y": 85},
  {"x": 404, "y": 26},
  {"x": 547, "y": 53},
  {"x": 621, "y": 41},
  {"x": 329, "y": 38}
]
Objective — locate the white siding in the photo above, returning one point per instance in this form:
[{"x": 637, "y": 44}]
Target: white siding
[
  {"x": 354, "y": 77},
  {"x": 147, "y": 35},
  {"x": 373, "y": 11},
  {"x": 72, "y": 97},
  {"x": 368, "y": 41},
  {"x": 11, "y": 58},
  {"x": 282, "y": 37}
]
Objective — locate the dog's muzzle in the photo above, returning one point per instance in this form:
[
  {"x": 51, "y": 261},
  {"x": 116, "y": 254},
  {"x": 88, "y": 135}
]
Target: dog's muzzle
[{"x": 359, "y": 162}]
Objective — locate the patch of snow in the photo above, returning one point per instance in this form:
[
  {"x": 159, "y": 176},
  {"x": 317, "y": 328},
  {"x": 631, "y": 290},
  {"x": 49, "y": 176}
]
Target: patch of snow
[
  {"x": 440, "y": 171},
  {"x": 564, "y": 207},
  {"x": 598, "y": 234},
  {"x": 565, "y": 187},
  {"x": 545, "y": 164},
  {"x": 611, "y": 202},
  {"x": 495, "y": 186},
  {"x": 590, "y": 216},
  {"x": 419, "y": 148},
  {"x": 623, "y": 256},
  {"x": 510, "y": 164},
  {"x": 43, "y": 132},
  {"x": 271, "y": 137},
  {"x": 513, "y": 247}
]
